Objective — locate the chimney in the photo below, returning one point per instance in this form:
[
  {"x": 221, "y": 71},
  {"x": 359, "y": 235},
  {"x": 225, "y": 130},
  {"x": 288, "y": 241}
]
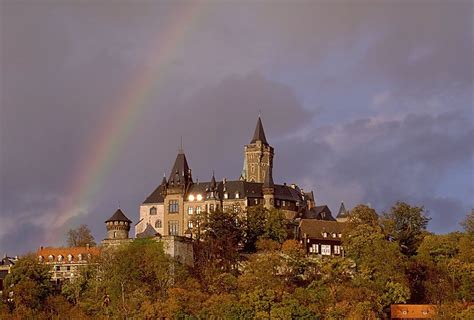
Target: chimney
[{"x": 87, "y": 246}]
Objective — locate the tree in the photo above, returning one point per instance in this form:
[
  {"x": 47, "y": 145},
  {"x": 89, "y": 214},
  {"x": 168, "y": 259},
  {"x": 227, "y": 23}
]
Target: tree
[
  {"x": 363, "y": 214},
  {"x": 407, "y": 225},
  {"x": 80, "y": 237},
  {"x": 254, "y": 227},
  {"x": 468, "y": 223},
  {"x": 30, "y": 283}
]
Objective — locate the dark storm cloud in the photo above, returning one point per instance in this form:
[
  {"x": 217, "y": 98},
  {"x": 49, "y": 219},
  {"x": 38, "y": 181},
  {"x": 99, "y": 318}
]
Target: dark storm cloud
[{"x": 363, "y": 102}]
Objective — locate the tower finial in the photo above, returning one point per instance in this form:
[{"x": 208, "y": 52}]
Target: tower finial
[
  {"x": 118, "y": 203},
  {"x": 181, "y": 145}
]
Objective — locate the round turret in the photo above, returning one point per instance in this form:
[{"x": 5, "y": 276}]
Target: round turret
[{"x": 118, "y": 226}]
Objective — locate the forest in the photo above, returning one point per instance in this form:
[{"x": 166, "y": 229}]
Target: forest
[{"x": 252, "y": 268}]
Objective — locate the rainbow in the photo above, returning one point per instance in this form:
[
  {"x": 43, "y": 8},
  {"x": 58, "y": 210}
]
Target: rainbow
[{"x": 129, "y": 106}]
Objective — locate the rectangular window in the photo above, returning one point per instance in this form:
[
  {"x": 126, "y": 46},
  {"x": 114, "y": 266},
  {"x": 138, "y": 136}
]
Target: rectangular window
[
  {"x": 278, "y": 203},
  {"x": 173, "y": 228},
  {"x": 256, "y": 201},
  {"x": 190, "y": 210},
  {"x": 173, "y": 206},
  {"x": 190, "y": 224},
  {"x": 283, "y": 203},
  {"x": 58, "y": 268},
  {"x": 326, "y": 249},
  {"x": 225, "y": 208},
  {"x": 211, "y": 208},
  {"x": 236, "y": 208},
  {"x": 198, "y": 210},
  {"x": 337, "y": 249},
  {"x": 315, "y": 248},
  {"x": 68, "y": 268}
]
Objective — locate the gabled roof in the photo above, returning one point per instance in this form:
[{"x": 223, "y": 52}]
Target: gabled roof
[
  {"x": 259, "y": 134},
  {"x": 74, "y": 251},
  {"x": 315, "y": 228},
  {"x": 118, "y": 216},
  {"x": 156, "y": 196},
  {"x": 319, "y": 213},
  {"x": 149, "y": 232}
]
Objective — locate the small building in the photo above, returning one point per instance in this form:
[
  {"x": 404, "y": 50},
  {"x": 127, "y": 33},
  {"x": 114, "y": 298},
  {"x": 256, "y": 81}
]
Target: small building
[
  {"x": 323, "y": 237},
  {"x": 412, "y": 311},
  {"x": 66, "y": 262},
  {"x": 5, "y": 266}
]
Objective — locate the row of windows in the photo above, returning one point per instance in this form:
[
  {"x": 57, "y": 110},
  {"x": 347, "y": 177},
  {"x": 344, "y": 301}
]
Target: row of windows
[
  {"x": 60, "y": 258},
  {"x": 58, "y": 268},
  {"x": 325, "y": 249},
  {"x": 334, "y": 235}
]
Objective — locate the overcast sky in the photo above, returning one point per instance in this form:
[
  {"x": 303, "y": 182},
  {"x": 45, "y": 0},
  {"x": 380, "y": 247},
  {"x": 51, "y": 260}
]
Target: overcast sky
[{"x": 364, "y": 102}]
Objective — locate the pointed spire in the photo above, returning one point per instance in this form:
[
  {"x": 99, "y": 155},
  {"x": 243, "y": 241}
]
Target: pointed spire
[
  {"x": 180, "y": 172},
  {"x": 213, "y": 181},
  {"x": 342, "y": 210},
  {"x": 259, "y": 134},
  {"x": 163, "y": 182}
]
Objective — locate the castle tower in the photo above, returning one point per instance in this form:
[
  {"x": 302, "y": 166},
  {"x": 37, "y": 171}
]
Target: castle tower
[
  {"x": 258, "y": 157},
  {"x": 342, "y": 215},
  {"x": 179, "y": 182},
  {"x": 118, "y": 226}
]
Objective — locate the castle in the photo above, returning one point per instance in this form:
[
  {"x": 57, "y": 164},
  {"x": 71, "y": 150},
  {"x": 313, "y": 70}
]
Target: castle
[{"x": 171, "y": 209}]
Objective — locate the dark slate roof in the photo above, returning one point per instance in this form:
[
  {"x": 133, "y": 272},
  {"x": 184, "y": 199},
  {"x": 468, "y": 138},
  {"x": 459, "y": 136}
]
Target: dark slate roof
[
  {"x": 156, "y": 196},
  {"x": 259, "y": 133},
  {"x": 319, "y": 213},
  {"x": 149, "y": 232},
  {"x": 342, "y": 211},
  {"x": 180, "y": 174},
  {"x": 244, "y": 188},
  {"x": 118, "y": 216},
  {"x": 315, "y": 228}
]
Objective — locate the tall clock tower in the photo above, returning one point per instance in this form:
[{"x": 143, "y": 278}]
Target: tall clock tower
[{"x": 258, "y": 157}]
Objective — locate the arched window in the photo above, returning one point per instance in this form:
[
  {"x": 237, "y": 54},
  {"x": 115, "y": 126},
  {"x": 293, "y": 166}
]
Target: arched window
[
  {"x": 40, "y": 258},
  {"x": 152, "y": 211},
  {"x": 79, "y": 257},
  {"x": 60, "y": 258},
  {"x": 51, "y": 258},
  {"x": 158, "y": 224},
  {"x": 69, "y": 257}
]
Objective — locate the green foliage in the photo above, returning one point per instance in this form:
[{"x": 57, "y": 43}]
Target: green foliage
[
  {"x": 30, "y": 283},
  {"x": 468, "y": 223},
  {"x": 406, "y": 225},
  {"x": 280, "y": 281},
  {"x": 80, "y": 237}
]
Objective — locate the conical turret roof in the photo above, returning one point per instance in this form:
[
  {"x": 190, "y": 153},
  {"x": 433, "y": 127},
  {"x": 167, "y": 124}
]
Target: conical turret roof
[
  {"x": 342, "y": 211},
  {"x": 118, "y": 216},
  {"x": 259, "y": 134}
]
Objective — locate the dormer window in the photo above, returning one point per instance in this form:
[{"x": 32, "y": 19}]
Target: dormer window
[
  {"x": 325, "y": 234},
  {"x": 79, "y": 257},
  {"x": 60, "y": 258},
  {"x": 51, "y": 258},
  {"x": 237, "y": 195},
  {"x": 333, "y": 235},
  {"x": 70, "y": 257},
  {"x": 226, "y": 195},
  {"x": 152, "y": 211},
  {"x": 40, "y": 258},
  {"x": 339, "y": 235}
]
